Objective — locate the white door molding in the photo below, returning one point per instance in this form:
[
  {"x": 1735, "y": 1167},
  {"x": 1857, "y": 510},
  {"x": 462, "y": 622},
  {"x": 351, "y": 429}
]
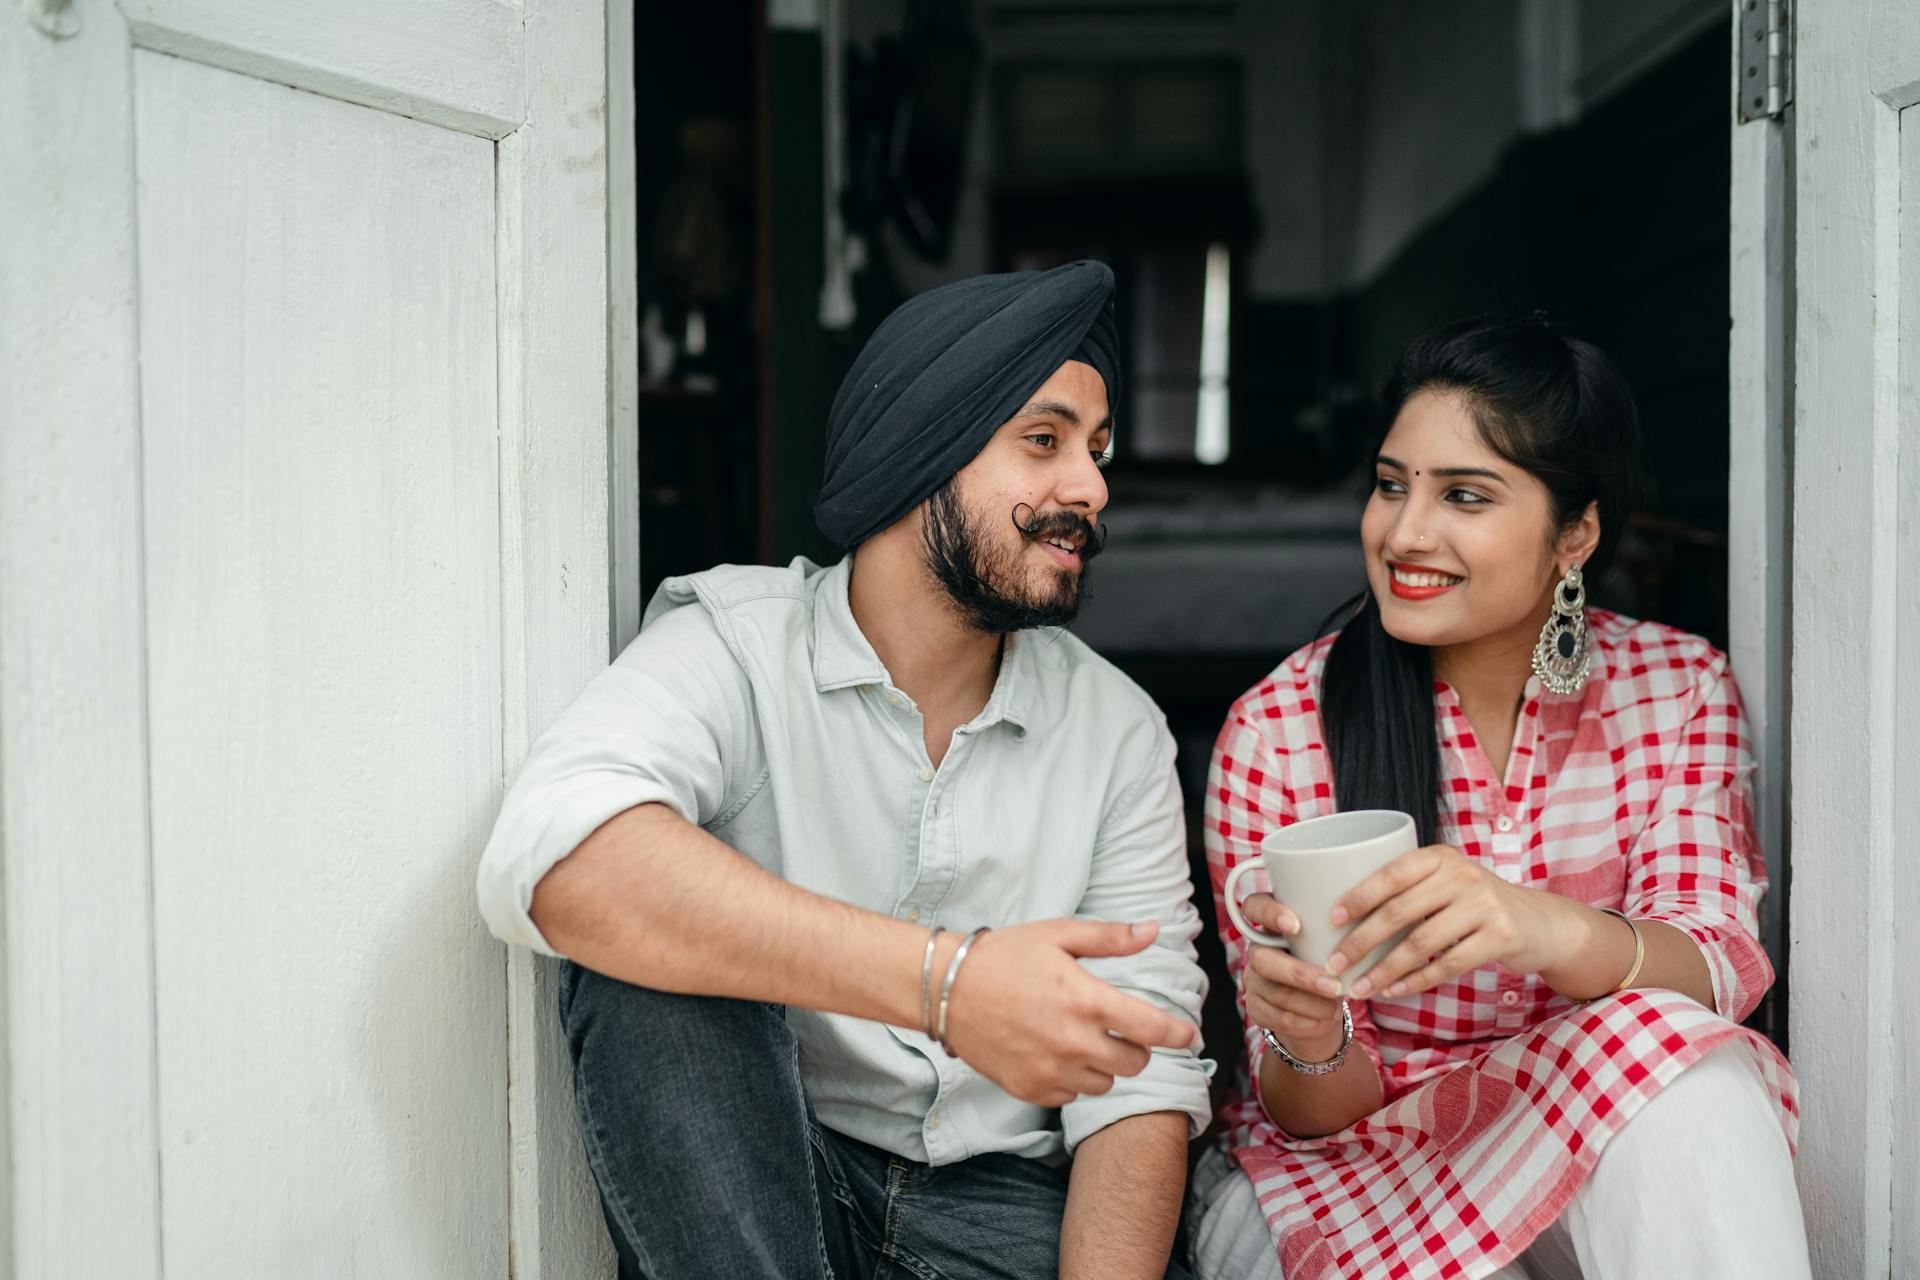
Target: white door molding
[
  {"x": 82, "y": 1107},
  {"x": 554, "y": 477},
  {"x": 1856, "y": 638},
  {"x": 459, "y": 66}
]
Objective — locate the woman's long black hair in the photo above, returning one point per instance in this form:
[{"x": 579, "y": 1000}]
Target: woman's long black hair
[{"x": 1557, "y": 408}]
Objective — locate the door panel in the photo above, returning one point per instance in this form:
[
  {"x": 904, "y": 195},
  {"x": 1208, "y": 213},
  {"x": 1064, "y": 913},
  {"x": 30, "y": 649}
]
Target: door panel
[
  {"x": 303, "y": 536},
  {"x": 321, "y": 526}
]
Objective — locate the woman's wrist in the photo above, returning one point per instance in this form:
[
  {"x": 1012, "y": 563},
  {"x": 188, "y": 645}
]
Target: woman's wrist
[
  {"x": 1595, "y": 949},
  {"x": 1314, "y": 1048}
]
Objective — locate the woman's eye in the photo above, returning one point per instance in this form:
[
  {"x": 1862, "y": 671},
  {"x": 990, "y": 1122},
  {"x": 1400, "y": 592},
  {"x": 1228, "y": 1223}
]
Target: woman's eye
[
  {"x": 1467, "y": 498},
  {"x": 1387, "y": 484}
]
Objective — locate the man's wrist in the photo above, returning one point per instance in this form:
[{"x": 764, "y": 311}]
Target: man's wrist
[{"x": 908, "y": 942}]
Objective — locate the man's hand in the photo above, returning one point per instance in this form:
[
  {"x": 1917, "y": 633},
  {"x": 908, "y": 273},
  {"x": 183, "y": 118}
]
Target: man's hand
[{"x": 1024, "y": 1014}]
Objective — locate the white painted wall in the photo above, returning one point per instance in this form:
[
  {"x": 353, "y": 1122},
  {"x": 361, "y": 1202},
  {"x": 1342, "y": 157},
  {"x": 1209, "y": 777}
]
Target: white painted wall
[{"x": 303, "y": 534}]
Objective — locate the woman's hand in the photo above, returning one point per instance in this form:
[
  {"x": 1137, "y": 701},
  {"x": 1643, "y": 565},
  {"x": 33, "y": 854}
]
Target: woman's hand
[
  {"x": 1289, "y": 997},
  {"x": 1463, "y": 915}
]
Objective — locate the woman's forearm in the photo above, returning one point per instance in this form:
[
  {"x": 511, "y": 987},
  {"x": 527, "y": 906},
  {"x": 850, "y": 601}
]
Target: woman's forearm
[
  {"x": 1313, "y": 1106},
  {"x": 1598, "y": 951}
]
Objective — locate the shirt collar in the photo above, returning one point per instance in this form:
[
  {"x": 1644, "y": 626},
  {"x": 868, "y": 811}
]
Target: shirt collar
[{"x": 843, "y": 657}]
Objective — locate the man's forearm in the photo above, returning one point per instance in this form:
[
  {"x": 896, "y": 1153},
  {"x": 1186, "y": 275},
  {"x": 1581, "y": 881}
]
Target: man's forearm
[
  {"x": 651, "y": 899},
  {"x": 1124, "y": 1197}
]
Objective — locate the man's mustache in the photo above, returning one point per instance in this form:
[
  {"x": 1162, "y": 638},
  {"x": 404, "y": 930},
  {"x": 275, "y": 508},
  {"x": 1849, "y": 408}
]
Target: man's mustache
[{"x": 1035, "y": 526}]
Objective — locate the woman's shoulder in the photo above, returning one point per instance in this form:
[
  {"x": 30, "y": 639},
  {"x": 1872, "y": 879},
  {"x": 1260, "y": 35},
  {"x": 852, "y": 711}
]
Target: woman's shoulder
[
  {"x": 1288, "y": 695},
  {"x": 1654, "y": 656}
]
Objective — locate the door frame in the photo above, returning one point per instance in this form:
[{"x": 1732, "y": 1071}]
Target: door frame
[
  {"x": 1759, "y": 394},
  {"x": 1853, "y": 306}
]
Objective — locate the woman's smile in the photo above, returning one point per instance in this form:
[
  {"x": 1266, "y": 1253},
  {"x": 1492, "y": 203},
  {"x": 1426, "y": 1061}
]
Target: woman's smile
[{"x": 1410, "y": 583}]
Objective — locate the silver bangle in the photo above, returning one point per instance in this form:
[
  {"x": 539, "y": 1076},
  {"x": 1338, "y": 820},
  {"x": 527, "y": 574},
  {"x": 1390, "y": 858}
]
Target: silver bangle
[
  {"x": 1332, "y": 1064},
  {"x": 946, "y": 988},
  {"x": 926, "y": 981}
]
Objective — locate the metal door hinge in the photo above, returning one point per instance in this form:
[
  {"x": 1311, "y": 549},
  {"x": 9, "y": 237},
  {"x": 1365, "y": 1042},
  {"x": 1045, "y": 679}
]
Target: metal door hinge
[{"x": 1765, "y": 84}]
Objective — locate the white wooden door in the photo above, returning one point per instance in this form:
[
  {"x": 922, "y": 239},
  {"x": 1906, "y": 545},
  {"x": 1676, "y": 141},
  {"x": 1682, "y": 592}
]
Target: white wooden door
[
  {"x": 302, "y": 532},
  {"x": 1851, "y": 204}
]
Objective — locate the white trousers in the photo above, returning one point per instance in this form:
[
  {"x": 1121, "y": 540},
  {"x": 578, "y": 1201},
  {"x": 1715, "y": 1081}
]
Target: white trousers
[{"x": 1698, "y": 1184}]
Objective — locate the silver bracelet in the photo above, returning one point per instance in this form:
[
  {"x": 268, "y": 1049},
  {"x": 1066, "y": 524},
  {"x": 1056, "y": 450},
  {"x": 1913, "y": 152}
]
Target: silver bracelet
[
  {"x": 926, "y": 981},
  {"x": 946, "y": 988},
  {"x": 1332, "y": 1064}
]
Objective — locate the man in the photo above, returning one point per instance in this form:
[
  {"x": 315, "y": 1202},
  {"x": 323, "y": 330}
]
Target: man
[{"x": 763, "y": 836}]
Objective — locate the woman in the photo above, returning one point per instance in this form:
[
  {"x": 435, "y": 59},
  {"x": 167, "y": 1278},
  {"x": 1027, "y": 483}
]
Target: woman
[{"x": 1546, "y": 1078}]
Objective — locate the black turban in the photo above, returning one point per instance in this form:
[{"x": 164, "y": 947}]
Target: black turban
[{"x": 942, "y": 373}]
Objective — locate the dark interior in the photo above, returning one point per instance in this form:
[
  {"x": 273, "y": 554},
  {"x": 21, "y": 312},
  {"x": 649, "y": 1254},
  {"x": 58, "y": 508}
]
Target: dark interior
[{"x": 975, "y": 143}]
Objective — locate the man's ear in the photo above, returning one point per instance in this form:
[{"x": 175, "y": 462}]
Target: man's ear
[{"x": 1581, "y": 538}]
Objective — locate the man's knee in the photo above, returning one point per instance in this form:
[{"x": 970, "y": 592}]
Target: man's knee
[{"x": 603, "y": 1015}]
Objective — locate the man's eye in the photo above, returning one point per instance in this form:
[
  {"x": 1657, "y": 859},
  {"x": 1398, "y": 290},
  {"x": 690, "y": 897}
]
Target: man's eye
[
  {"x": 1103, "y": 457},
  {"x": 1043, "y": 439}
]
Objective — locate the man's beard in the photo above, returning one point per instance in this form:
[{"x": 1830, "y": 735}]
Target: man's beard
[{"x": 985, "y": 583}]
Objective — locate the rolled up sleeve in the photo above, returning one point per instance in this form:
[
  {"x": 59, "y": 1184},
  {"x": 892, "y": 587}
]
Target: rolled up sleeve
[
  {"x": 1697, "y": 865},
  {"x": 1139, "y": 872},
  {"x": 661, "y": 725}
]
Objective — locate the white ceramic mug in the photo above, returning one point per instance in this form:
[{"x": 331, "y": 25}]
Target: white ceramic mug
[{"x": 1310, "y": 865}]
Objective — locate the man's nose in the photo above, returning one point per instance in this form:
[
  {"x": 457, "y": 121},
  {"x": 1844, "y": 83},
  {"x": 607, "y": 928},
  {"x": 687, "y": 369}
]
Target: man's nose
[{"x": 1083, "y": 487}]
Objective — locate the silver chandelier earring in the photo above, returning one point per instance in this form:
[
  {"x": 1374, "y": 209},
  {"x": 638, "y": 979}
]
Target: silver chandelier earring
[{"x": 1561, "y": 659}]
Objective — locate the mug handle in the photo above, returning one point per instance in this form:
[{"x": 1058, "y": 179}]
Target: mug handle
[{"x": 1240, "y": 921}]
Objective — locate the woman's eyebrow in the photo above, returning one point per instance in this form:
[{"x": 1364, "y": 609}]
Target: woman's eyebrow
[
  {"x": 1447, "y": 473},
  {"x": 1473, "y": 473}
]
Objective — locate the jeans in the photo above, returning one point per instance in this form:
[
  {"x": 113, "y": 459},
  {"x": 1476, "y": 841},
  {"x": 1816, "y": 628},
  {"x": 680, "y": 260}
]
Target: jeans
[{"x": 710, "y": 1163}]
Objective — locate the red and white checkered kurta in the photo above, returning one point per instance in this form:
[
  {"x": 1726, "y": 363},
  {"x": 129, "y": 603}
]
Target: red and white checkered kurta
[{"x": 1500, "y": 1094}]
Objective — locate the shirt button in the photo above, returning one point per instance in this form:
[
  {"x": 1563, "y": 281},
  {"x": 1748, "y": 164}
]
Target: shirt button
[
  {"x": 1737, "y": 860},
  {"x": 1503, "y": 823},
  {"x": 933, "y": 1120},
  {"x": 913, "y": 915},
  {"x": 894, "y": 698},
  {"x": 1510, "y": 998},
  {"x": 926, "y": 775}
]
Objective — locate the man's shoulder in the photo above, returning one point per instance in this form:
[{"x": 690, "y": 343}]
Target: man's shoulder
[
  {"x": 732, "y": 615},
  {"x": 1076, "y": 679},
  {"x": 727, "y": 587}
]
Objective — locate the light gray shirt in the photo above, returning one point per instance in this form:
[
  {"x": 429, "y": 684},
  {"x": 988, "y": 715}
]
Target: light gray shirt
[{"x": 753, "y": 705}]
